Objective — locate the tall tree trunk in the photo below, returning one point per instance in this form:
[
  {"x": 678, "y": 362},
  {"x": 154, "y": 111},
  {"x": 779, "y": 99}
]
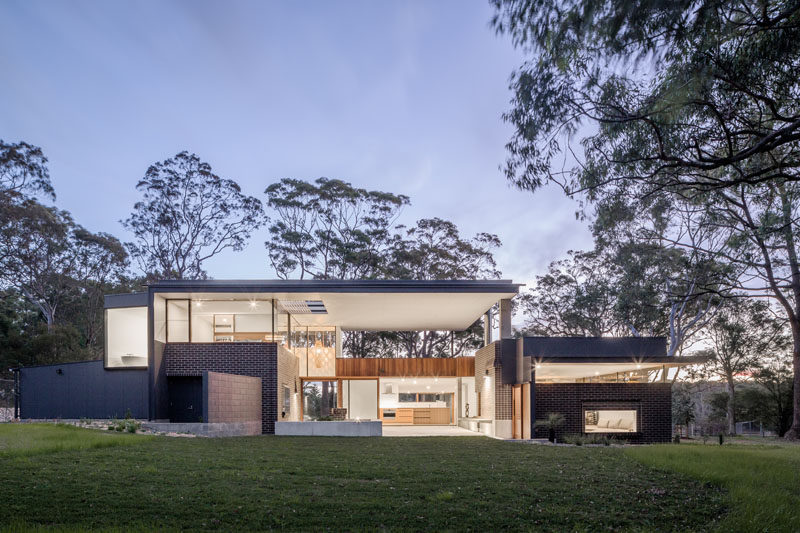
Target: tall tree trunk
[
  {"x": 788, "y": 232},
  {"x": 731, "y": 405},
  {"x": 794, "y": 430}
]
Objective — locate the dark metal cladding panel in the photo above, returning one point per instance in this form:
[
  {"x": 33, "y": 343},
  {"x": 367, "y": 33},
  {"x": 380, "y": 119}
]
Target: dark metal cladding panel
[
  {"x": 82, "y": 390},
  {"x": 582, "y": 347},
  {"x": 131, "y": 299},
  {"x": 508, "y": 361},
  {"x": 527, "y": 374}
]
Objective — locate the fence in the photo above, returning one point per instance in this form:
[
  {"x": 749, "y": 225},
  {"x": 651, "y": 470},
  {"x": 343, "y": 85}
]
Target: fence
[{"x": 6, "y": 399}]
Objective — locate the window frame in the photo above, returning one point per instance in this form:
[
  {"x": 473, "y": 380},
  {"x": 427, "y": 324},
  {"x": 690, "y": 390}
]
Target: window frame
[{"x": 612, "y": 406}]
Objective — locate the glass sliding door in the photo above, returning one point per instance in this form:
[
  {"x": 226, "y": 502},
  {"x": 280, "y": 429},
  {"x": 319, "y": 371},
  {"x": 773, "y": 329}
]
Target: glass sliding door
[{"x": 319, "y": 399}]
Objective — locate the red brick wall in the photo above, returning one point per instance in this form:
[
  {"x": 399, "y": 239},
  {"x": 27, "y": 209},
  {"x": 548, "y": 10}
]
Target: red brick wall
[
  {"x": 256, "y": 359},
  {"x": 652, "y": 400}
]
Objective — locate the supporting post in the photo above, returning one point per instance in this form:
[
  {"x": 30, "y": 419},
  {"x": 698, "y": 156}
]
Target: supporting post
[
  {"x": 288, "y": 331},
  {"x": 338, "y": 334},
  {"x": 16, "y": 392},
  {"x": 505, "y": 319},
  {"x": 487, "y": 328}
]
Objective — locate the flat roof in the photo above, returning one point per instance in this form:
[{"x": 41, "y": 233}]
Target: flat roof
[
  {"x": 330, "y": 285},
  {"x": 357, "y": 305},
  {"x": 597, "y": 348}
]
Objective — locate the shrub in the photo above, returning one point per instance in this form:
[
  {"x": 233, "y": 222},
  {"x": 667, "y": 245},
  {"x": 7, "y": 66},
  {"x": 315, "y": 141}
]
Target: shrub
[{"x": 572, "y": 438}]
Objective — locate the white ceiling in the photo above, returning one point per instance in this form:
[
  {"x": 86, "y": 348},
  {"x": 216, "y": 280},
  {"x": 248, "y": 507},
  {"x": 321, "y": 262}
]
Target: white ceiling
[
  {"x": 585, "y": 370},
  {"x": 376, "y": 311}
]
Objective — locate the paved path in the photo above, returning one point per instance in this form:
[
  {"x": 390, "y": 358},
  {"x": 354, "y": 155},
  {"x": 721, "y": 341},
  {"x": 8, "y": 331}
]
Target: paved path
[{"x": 427, "y": 431}]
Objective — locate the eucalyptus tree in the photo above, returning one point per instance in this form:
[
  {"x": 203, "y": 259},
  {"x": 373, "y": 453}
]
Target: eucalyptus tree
[
  {"x": 434, "y": 249},
  {"x": 329, "y": 229},
  {"x": 577, "y": 297},
  {"x": 744, "y": 337},
  {"x": 187, "y": 215},
  {"x": 23, "y": 172},
  {"x": 47, "y": 256},
  {"x": 689, "y": 104},
  {"x": 775, "y": 380}
]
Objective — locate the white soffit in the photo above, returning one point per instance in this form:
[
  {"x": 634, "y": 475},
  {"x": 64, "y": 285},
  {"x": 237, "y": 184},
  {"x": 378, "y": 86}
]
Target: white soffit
[
  {"x": 376, "y": 311},
  {"x": 586, "y": 370}
]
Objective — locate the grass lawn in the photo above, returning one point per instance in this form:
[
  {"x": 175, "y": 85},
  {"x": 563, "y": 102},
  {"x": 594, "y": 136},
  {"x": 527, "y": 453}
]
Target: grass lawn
[
  {"x": 763, "y": 481},
  {"x": 329, "y": 483},
  {"x": 32, "y": 439}
]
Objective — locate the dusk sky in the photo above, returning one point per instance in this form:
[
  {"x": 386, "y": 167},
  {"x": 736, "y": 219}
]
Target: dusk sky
[{"x": 405, "y": 97}]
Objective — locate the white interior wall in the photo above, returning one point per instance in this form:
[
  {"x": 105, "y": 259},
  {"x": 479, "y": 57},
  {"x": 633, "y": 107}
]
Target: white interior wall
[
  {"x": 202, "y": 328},
  {"x": 178, "y": 320},
  {"x": 159, "y": 319},
  {"x": 252, "y": 323},
  {"x": 360, "y": 398},
  {"x": 126, "y": 334},
  {"x": 468, "y": 397}
]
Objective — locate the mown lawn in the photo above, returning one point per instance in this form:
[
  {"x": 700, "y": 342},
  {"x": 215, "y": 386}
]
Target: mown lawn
[{"x": 334, "y": 484}]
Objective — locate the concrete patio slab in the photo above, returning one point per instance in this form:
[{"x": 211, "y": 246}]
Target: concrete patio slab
[{"x": 427, "y": 431}]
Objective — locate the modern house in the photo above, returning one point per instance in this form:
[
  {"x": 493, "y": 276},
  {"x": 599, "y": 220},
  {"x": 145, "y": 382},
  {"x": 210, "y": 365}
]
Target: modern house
[{"x": 260, "y": 353}]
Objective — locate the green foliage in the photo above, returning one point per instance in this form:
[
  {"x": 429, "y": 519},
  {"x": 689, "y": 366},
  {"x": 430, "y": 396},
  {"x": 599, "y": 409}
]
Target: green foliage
[
  {"x": 683, "y": 122},
  {"x": 187, "y": 215},
  {"x": 23, "y": 172},
  {"x": 328, "y": 229},
  {"x": 576, "y": 297},
  {"x": 682, "y": 408},
  {"x": 553, "y": 421},
  {"x": 775, "y": 402},
  {"x": 579, "y": 439}
]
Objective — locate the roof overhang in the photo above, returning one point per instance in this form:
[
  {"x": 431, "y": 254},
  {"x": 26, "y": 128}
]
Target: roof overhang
[
  {"x": 363, "y": 305},
  {"x": 574, "y": 367}
]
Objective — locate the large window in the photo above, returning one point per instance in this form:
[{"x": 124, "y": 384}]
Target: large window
[
  {"x": 177, "y": 320},
  {"x": 315, "y": 346},
  {"x": 126, "y": 337},
  {"x": 319, "y": 399},
  {"x": 231, "y": 320},
  {"x": 610, "y": 421}
]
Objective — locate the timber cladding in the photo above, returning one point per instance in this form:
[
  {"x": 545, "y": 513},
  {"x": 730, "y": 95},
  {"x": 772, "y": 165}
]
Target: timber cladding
[{"x": 417, "y": 367}]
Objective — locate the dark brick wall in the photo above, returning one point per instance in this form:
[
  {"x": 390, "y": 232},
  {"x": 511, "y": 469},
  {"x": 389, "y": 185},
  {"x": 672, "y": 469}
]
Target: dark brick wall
[
  {"x": 256, "y": 359},
  {"x": 652, "y": 400}
]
